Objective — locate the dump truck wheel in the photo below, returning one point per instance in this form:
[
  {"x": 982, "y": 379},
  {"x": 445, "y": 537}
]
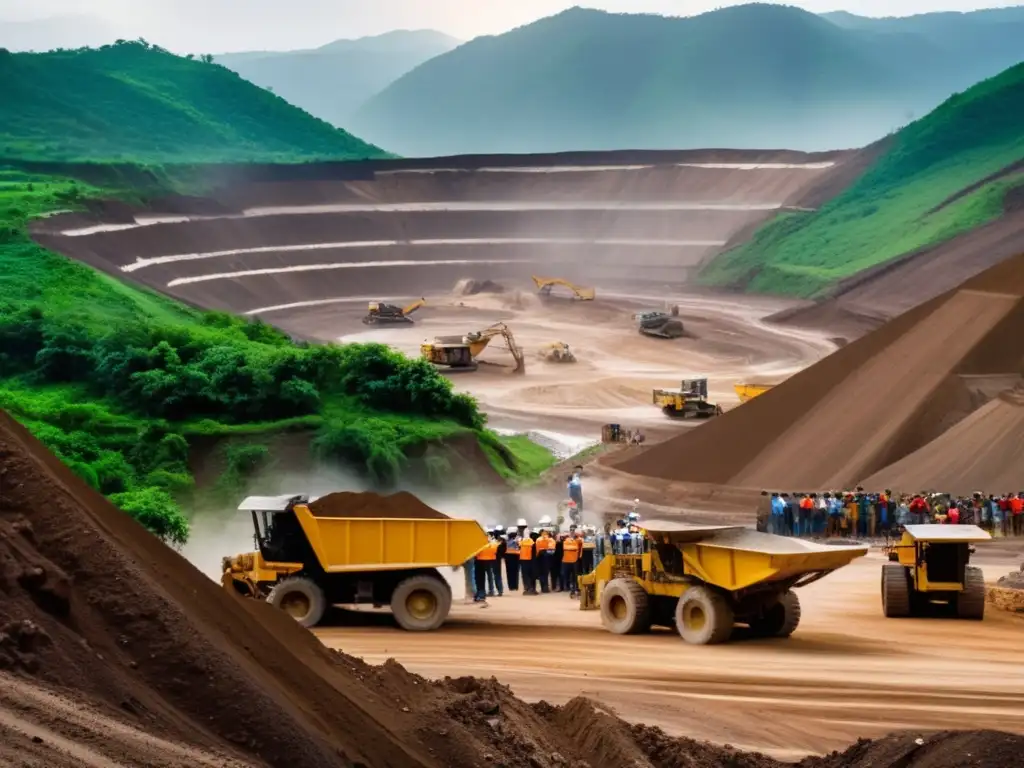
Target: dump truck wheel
[
  {"x": 301, "y": 599},
  {"x": 421, "y": 603},
  {"x": 781, "y": 620},
  {"x": 704, "y": 617},
  {"x": 624, "y": 607},
  {"x": 895, "y": 591},
  {"x": 970, "y": 604}
]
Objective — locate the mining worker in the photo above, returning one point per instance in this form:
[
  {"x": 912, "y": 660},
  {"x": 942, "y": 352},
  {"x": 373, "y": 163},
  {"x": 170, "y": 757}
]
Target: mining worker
[
  {"x": 764, "y": 512},
  {"x": 557, "y": 585},
  {"x": 576, "y": 489},
  {"x": 527, "y": 563},
  {"x": 803, "y": 516},
  {"x": 1016, "y": 519},
  {"x": 512, "y": 559},
  {"x": 570, "y": 562},
  {"x": 495, "y": 583},
  {"x": 484, "y": 565},
  {"x": 545, "y": 559},
  {"x": 620, "y": 539},
  {"x": 588, "y": 553},
  {"x": 778, "y": 519},
  {"x": 835, "y": 514},
  {"x": 636, "y": 539}
]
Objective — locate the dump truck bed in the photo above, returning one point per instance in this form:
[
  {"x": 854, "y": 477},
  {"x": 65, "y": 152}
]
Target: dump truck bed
[
  {"x": 359, "y": 544},
  {"x": 738, "y": 558},
  {"x": 948, "y": 534}
]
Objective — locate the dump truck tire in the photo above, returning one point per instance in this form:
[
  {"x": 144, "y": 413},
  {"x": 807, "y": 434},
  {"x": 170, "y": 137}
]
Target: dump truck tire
[
  {"x": 781, "y": 620},
  {"x": 624, "y": 607},
  {"x": 970, "y": 604},
  {"x": 704, "y": 617},
  {"x": 895, "y": 591},
  {"x": 421, "y": 603},
  {"x": 301, "y": 599}
]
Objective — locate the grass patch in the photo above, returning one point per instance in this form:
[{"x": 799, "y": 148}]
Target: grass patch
[{"x": 889, "y": 211}]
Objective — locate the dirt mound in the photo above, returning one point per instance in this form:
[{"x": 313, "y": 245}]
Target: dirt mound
[
  {"x": 982, "y": 452},
  {"x": 862, "y": 408},
  {"x": 370, "y": 504},
  {"x": 946, "y": 749},
  {"x": 469, "y": 287}
]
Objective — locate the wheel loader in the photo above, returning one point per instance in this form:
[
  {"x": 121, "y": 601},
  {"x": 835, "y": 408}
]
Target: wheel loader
[
  {"x": 557, "y": 352},
  {"x": 928, "y": 567},
  {"x": 703, "y": 580},
  {"x": 380, "y": 313},
  {"x": 690, "y": 400},
  {"x": 304, "y": 563},
  {"x": 459, "y": 353}
]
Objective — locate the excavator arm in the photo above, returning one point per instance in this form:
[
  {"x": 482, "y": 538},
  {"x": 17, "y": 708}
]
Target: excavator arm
[
  {"x": 479, "y": 340},
  {"x": 413, "y": 307},
  {"x": 545, "y": 284}
]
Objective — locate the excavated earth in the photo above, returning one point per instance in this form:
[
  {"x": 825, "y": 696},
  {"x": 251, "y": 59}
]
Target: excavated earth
[
  {"x": 115, "y": 651},
  {"x": 896, "y": 407}
]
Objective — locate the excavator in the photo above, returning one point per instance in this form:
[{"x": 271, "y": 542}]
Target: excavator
[
  {"x": 545, "y": 284},
  {"x": 460, "y": 352},
  {"x": 380, "y": 313}
]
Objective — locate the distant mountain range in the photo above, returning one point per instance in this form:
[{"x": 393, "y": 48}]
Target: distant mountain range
[
  {"x": 332, "y": 81},
  {"x": 746, "y": 76}
]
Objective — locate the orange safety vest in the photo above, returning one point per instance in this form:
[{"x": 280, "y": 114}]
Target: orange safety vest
[
  {"x": 570, "y": 551},
  {"x": 526, "y": 549},
  {"x": 545, "y": 543},
  {"x": 806, "y": 503},
  {"x": 490, "y": 552}
]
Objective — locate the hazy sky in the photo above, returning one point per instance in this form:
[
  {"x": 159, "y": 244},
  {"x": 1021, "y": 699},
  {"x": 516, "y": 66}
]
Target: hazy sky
[{"x": 227, "y": 25}]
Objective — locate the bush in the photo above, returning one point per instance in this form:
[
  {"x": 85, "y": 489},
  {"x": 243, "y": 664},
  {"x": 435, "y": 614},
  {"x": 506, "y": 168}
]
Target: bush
[{"x": 156, "y": 510}]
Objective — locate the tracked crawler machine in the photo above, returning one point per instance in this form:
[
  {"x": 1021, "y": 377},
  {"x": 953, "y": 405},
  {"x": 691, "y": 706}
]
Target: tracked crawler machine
[
  {"x": 689, "y": 401},
  {"x": 703, "y": 580},
  {"x": 461, "y": 352},
  {"x": 379, "y": 313},
  {"x": 304, "y": 563},
  {"x": 929, "y": 566},
  {"x": 661, "y": 325}
]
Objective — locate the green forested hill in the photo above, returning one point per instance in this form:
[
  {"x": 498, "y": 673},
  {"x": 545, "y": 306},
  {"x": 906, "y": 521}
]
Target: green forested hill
[
  {"x": 931, "y": 185},
  {"x": 135, "y": 102},
  {"x": 761, "y": 76}
]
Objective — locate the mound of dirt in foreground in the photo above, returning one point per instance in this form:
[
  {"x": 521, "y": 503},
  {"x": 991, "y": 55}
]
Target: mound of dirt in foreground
[
  {"x": 97, "y": 610},
  {"x": 863, "y": 407}
]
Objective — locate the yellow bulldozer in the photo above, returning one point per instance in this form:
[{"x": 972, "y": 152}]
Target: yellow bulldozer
[
  {"x": 557, "y": 352},
  {"x": 305, "y": 563},
  {"x": 545, "y": 284},
  {"x": 928, "y": 567},
  {"x": 379, "y": 313},
  {"x": 704, "y": 580},
  {"x": 461, "y": 352},
  {"x": 690, "y": 400}
]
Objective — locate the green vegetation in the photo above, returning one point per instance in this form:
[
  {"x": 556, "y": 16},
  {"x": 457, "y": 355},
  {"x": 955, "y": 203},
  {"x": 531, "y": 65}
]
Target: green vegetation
[
  {"x": 117, "y": 380},
  {"x": 751, "y": 76},
  {"x": 899, "y": 204},
  {"x": 135, "y": 102},
  {"x": 530, "y": 460}
]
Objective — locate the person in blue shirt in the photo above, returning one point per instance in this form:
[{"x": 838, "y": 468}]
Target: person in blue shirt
[{"x": 777, "y": 523}]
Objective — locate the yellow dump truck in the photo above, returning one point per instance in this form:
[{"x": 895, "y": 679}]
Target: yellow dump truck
[
  {"x": 304, "y": 563},
  {"x": 703, "y": 580},
  {"x": 929, "y": 566}
]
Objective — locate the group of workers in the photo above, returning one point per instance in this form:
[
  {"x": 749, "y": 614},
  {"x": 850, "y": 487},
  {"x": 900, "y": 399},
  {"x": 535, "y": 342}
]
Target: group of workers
[{"x": 862, "y": 514}]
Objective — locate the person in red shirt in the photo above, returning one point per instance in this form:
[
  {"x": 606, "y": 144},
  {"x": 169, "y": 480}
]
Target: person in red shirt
[
  {"x": 953, "y": 516},
  {"x": 1016, "y": 512}
]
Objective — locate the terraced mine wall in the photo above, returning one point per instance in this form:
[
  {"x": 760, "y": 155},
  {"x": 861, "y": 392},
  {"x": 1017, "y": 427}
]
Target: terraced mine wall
[{"x": 273, "y": 241}]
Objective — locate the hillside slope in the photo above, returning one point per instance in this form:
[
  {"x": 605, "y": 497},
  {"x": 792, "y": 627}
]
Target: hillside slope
[
  {"x": 332, "y": 81},
  {"x": 134, "y": 102},
  {"x": 943, "y": 175},
  {"x": 746, "y": 76}
]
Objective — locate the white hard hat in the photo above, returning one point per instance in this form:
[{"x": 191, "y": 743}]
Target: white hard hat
[
  {"x": 521, "y": 523},
  {"x": 499, "y": 528},
  {"x": 546, "y": 520}
]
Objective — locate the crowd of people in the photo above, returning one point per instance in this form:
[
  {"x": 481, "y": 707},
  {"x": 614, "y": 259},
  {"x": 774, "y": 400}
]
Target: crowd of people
[{"x": 863, "y": 514}]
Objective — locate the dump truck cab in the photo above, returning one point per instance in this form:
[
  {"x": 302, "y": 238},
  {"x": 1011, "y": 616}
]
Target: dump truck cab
[
  {"x": 703, "y": 580},
  {"x": 304, "y": 563},
  {"x": 930, "y": 565}
]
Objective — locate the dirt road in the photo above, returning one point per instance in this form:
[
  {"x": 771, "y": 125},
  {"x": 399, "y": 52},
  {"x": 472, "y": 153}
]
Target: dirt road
[{"x": 846, "y": 673}]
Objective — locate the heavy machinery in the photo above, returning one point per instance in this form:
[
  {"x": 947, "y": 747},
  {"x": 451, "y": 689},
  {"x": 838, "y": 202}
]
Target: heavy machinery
[
  {"x": 747, "y": 392},
  {"x": 545, "y": 284},
  {"x": 304, "y": 563},
  {"x": 460, "y": 352},
  {"x": 557, "y": 352},
  {"x": 690, "y": 400},
  {"x": 703, "y": 580},
  {"x": 929, "y": 565},
  {"x": 660, "y": 325},
  {"x": 380, "y": 313}
]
